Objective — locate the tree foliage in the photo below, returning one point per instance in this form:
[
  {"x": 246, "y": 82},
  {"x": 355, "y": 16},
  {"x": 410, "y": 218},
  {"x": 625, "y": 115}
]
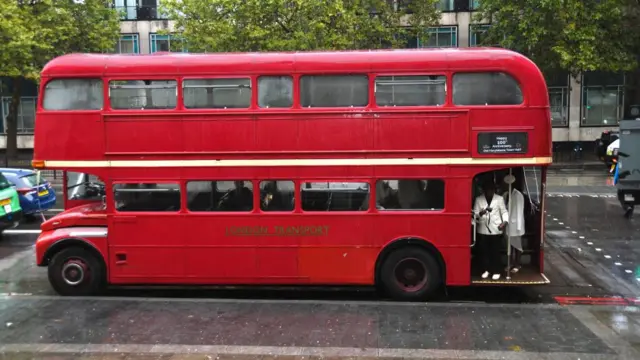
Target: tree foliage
[
  {"x": 287, "y": 25},
  {"x": 33, "y": 32},
  {"x": 572, "y": 35}
]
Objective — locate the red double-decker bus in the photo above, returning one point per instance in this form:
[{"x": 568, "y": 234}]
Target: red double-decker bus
[{"x": 309, "y": 168}]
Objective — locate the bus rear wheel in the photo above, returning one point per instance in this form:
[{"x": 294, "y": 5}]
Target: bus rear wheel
[
  {"x": 76, "y": 272},
  {"x": 410, "y": 274}
]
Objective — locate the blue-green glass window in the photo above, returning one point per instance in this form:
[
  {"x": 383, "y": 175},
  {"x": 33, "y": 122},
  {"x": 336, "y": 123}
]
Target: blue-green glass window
[
  {"x": 477, "y": 34},
  {"x": 128, "y": 44},
  {"x": 170, "y": 42},
  {"x": 435, "y": 37},
  {"x": 445, "y": 5},
  {"x": 474, "y": 4}
]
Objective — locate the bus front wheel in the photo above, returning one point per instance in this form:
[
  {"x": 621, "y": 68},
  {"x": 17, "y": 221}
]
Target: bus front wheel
[
  {"x": 76, "y": 272},
  {"x": 410, "y": 274}
]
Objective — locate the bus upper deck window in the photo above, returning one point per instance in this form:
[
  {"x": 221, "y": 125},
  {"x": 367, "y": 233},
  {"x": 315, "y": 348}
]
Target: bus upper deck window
[
  {"x": 217, "y": 93},
  {"x": 143, "y": 94},
  {"x": 275, "y": 91},
  {"x": 486, "y": 88},
  {"x": 334, "y": 90},
  {"x": 413, "y": 90},
  {"x": 73, "y": 94}
]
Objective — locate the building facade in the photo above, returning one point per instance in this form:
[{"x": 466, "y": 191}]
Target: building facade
[{"x": 581, "y": 108}]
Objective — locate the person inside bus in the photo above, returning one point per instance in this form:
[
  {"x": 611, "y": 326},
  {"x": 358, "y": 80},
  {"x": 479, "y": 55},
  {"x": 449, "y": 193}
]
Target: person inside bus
[
  {"x": 492, "y": 218},
  {"x": 240, "y": 198},
  {"x": 272, "y": 199}
]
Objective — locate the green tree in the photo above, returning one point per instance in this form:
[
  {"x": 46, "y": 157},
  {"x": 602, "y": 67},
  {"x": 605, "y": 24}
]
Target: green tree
[
  {"x": 287, "y": 25},
  {"x": 572, "y": 35},
  {"x": 35, "y": 31}
]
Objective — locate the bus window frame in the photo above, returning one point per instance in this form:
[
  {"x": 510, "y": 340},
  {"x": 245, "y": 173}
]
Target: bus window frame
[
  {"x": 368, "y": 181},
  {"x": 411, "y": 211},
  {"x": 255, "y": 195},
  {"x": 297, "y": 92},
  {"x": 42, "y": 88},
  {"x": 111, "y": 110},
  {"x": 252, "y": 103},
  {"x": 111, "y": 197},
  {"x": 523, "y": 89},
  {"x": 448, "y": 81}
]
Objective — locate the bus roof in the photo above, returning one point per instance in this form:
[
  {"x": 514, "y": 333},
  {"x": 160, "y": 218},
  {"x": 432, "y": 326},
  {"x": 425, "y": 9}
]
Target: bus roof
[{"x": 186, "y": 64}]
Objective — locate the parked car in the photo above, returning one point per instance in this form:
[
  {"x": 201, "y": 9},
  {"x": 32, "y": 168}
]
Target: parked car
[
  {"x": 34, "y": 197},
  {"x": 10, "y": 210}
]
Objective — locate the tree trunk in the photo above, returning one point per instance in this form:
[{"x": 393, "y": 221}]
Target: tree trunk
[{"x": 11, "y": 151}]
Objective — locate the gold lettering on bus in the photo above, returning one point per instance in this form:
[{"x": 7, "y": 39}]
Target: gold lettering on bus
[{"x": 301, "y": 230}]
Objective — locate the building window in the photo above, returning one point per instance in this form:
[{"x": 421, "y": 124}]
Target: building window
[
  {"x": 602, "y": 105},
  {"x": 477, "y": 34},
  {"x": 26, "y": 113},
  {"x": 559, "y": 102},
  {"x": 602, "y": 99},
  {"x": 169, "y": 42},
  {"x": 128, "y": 44},
  {"x": 474, "y": 4},
  {"x": 445, "y": 5},
  {"x": 436, "y": 37},
  {"x": 139, "y": 10}
]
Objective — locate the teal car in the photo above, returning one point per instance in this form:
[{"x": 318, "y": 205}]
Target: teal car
[{"x": 10, "y": 210}]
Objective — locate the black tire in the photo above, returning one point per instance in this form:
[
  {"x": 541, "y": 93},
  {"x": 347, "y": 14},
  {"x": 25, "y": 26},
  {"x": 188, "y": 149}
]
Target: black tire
[
  {"x": 91, "y": 283},
  {"x": 416, "y": 261},
  {"x": 30, "y": 218}
]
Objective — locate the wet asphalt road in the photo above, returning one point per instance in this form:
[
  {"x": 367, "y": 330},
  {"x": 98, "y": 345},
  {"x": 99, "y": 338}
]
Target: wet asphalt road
[{"x": 591, "y": 252}]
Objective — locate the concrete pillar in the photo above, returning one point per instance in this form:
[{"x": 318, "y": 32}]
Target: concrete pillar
[{"x": 575, "y": 107}]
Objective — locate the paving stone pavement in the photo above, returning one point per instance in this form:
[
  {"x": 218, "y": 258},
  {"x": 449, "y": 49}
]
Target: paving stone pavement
[{"x": 49, "y": 327}]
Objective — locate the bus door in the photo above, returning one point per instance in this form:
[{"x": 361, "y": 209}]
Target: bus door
[
  {"x": 146, "y": 238},
  {"x": 519, "y": 250},
  {"x": 81, "y": 188}
]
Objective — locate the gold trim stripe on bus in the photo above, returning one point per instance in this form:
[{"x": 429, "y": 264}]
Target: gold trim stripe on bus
[{"x": 39, "y": 164}]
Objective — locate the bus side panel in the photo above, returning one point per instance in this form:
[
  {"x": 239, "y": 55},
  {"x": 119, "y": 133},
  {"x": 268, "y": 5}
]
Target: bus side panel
[
  {"x": 137, "y": 134},
  {"x": 443, "y": 132},
  {"x": 80, "y": 132},
  {"x": 219, "y": 133},
  {"x": 335, "y": 132},
  {"x": 340, "y": 249}
]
